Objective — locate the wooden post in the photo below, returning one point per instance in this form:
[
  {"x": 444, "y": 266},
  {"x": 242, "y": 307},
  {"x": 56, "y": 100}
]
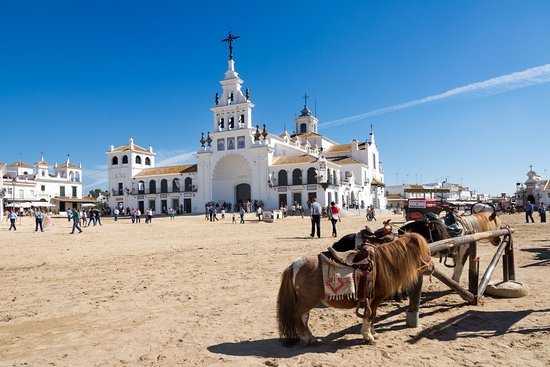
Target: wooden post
[
  {"x": 414, "y": 303},
  {"x": 489, "y": 272},
  {"x": 505, "y": 269},
  {"x": 510, "y": 257},
  {"x": 466, "y": 295},
  {"x": 473, "y": 271}
]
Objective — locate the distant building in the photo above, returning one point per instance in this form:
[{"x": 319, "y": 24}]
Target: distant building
[
  {"x": 36, "y": 184},
  {"x": 239, "y": 163},
  {"x": 534, "y": 190},
  {"x": 3, "y": 190},
  {"x": 453, "y": 193}
]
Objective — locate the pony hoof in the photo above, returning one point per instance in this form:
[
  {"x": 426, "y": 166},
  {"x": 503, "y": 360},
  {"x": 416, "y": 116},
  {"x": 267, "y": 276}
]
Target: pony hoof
[
  {"x": 308, "y": 341},
  {"x": 369, "y": 339}
]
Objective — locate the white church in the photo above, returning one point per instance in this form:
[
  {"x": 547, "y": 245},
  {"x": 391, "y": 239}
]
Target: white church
[{"x": 239, "y": 163}]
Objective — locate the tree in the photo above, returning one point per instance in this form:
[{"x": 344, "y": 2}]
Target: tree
[{"x": 95, "y": 193}]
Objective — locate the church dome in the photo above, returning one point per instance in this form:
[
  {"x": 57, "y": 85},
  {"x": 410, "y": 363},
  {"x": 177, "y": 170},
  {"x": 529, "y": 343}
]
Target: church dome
[{"x": 306, "y": 112}]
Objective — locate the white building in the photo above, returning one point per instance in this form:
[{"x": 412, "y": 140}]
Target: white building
[
  {"x": 238, "y": 163},
  {"x": 534, "y": 190},
  {"x": 61, "y": 187},
  {"x": 3, "y": 191}
]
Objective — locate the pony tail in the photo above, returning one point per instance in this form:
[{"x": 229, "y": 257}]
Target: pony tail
[{"x": 286, "y": 309}]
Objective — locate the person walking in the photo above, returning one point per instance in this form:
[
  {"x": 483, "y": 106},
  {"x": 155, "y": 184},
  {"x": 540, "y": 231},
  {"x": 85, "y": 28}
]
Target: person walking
[
  {"x": 38, "y": 218},
  {"x": 241, "y": 213},
  {"x": 259, "y": 212},
  {"x": 149, "y": 216},
  {"x": 116, "y": 212},
  {"x": 529, "y": 209},
  {"x": 97, "y": 216},
  {"x": 542, "y": 212},
  {"x": 334, "y": 215},
  {"x": 76, "y": 218},
  {"x": 69, "y": 215},
  {"x": 233, "y": 217},
  {"x": 83, "y": 217},
  {"x": 138, "y": 216},
  {"x": 316, "y": 210},
  {"x": 12, "y": 218}
]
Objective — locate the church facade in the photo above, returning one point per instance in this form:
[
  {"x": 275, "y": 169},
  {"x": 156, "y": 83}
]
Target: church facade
[
  {"x": 535, "y": 190},
  {"x": 239, "y": 163}
]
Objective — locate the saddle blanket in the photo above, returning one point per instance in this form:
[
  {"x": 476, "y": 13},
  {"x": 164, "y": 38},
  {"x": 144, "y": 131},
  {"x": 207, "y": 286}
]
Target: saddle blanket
[{"x": 338, "y": 281}]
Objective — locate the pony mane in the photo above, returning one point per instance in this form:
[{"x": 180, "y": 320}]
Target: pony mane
[
  {"x": 480, "y": 222},
  {"x": 398, "y": 263}
]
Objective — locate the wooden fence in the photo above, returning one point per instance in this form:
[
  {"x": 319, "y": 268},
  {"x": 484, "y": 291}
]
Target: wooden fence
[{"x": 476, "y": 288}]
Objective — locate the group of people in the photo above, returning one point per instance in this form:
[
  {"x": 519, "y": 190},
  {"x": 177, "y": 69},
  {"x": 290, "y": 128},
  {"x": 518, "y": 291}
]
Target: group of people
[
  {"x": 530, "y": 209},
  {"x": 211, "y": 211},
  {"x": 41, "y": 219},
  {"x": 136, "y": 214},
  {"x": 86, "y": 217}
]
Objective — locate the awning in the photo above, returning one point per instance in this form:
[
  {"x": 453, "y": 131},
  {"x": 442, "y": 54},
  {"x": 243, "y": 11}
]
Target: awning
[
  {"x": 73, "y": 200},
  {"x": 375, "y": 182}
]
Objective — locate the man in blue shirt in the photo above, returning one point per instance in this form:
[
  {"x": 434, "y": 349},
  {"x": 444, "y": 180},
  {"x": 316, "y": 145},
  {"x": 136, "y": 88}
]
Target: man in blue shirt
[
  {"x": 12, "y": 217},
  {"x": 316, "y": 210},
  {"x": 529, "y": 208},
  {"x": 38, "y": 219}
]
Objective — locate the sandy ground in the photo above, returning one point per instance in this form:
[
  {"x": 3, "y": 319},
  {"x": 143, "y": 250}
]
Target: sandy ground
[{"x": 194, "y": 293}]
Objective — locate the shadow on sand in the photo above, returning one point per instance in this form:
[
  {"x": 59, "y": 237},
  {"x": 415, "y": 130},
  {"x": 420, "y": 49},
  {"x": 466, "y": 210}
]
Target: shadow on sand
[
  {"x": 331, "y": 343},
  {"x": 542, "y": 256},
  {"x": 479, "y": 324}
]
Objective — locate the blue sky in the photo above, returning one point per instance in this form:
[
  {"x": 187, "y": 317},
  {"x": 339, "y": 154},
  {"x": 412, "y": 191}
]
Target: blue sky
[{"x": 78, "y": 76}]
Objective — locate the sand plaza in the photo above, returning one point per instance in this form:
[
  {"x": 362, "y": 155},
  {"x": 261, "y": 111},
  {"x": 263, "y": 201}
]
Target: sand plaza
[{"x": 192, "y": 292}]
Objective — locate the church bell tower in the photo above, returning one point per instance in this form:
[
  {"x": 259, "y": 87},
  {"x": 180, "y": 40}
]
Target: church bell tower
[{"x": 233, "y": 110}]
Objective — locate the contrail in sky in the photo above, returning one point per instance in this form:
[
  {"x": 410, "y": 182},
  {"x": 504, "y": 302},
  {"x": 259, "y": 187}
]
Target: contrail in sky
[{"x": 501, "y": 84}]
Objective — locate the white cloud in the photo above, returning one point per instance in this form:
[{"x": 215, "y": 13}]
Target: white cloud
[{"x": 501, "y": 84}]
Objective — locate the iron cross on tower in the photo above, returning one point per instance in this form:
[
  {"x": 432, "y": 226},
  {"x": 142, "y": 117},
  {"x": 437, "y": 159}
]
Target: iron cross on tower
[
  {"x": 230, "y": 38},
  {"x": 305, "y": 97}
]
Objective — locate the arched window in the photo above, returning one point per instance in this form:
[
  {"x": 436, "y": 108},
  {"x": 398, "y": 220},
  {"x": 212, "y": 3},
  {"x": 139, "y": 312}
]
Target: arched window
[
  {"x": 115, "y": 161},
  {"x": 77, "y": 177},
  {"x": 71, "y": 176},
  {"x": 176, "y": 185},
  {"x": 147, "y": 161},
  {"x": 141, "y": 187},
  {"x": 152, "y": 187},
  {"x": 311, "y": 176},
  {"x": 138, "y": 159},
  {"x": 125, "y": 159},
  {"x": 297, "y": 177},
  {"x": 303, "y": 128},
  {"x": 282, "y": 178},
  {"x": 188, "y": 184},
  {"x": 163, "y": 186}
]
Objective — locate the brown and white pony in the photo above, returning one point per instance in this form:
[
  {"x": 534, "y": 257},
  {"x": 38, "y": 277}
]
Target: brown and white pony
[
  {"x": 398, "y": 265},
  {"x": 474, "y": 223}
]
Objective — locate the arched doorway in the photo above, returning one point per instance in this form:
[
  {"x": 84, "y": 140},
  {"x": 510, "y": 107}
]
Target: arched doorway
[
  {"x": 531, "y": 199},
  {"x": 243, "y": 194},
  {"x": 230, "y": 172}
]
